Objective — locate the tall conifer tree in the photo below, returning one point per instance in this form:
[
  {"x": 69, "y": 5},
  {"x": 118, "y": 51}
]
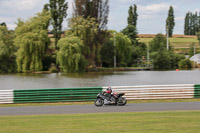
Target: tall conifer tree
[
  {"x": 130, "y": 15},
  {"x": 98, "y": 10},
  {"x": 135, "y": 15},
  {"x": 186, "y": 27},
  {"x": 131, "y": 29},
  {"x": 58, "y": 9},
  {"x": 170, "y": 22},
  {"x": 192, "y": 23},
  {"x": 132, "y": 18}
]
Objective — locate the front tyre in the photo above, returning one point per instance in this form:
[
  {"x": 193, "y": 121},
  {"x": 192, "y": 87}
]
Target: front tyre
[
  {"x": 98, "y": 102},
  {"x": 121, "y": 101}
]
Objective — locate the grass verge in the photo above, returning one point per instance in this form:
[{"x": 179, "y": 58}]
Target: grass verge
[
  {"x": 172, "y": 40},
  {"x": 86, "y": 103},
  {"x": 151, "y": 122}
]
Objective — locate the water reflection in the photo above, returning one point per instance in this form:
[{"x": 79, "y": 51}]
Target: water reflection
[
  {"x": 90, "y": 74},
  {"x": 93, "y": 79}
]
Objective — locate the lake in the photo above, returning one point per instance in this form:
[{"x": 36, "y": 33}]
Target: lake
[{"x": 97, "y": 79}]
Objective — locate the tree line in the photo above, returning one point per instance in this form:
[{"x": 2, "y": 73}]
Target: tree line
[
  {"x": 86, "y": 44},
  {"x": 192, "y": 23}
]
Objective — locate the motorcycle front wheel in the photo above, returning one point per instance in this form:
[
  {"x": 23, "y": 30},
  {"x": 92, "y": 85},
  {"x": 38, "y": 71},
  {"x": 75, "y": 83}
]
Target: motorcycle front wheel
[
  {"x": 121, "y": 101},
  {"x": 98, "y": 102}
]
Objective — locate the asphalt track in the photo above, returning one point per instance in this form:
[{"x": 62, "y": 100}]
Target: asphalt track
[{"x": 78, "y": 109}]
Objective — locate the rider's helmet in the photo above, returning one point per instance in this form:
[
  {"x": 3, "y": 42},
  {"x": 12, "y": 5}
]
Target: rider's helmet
[{"x": 108, "y": 90}]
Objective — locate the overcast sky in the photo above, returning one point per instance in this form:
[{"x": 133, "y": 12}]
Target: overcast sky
[{"x": 151, "y": 20}]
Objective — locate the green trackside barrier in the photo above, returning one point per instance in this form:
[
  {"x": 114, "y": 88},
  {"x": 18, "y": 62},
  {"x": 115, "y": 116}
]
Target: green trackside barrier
[
  {"x": 197, "y": 91},
  {"x": 56, "y": 95}
]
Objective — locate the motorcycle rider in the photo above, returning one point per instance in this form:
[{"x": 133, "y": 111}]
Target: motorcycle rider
[
  {"x": 108, "y": 93},
  {"x": 107, "y": 97}
]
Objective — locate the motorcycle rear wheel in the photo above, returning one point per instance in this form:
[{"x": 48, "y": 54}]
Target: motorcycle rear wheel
[
  {"x": 98, "y": 102},
  {"x": 121, "y": 101}
]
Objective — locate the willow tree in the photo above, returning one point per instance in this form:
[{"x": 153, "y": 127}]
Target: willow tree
[
  {"x": 119, "y": 45},
  {"x": 123, "y": 49},
  {"x": 7, "y": 49},
  {"x": 32, "y": 42},
  {"x": 70, "y": 55},
  {"x": 86, "y": 29}
]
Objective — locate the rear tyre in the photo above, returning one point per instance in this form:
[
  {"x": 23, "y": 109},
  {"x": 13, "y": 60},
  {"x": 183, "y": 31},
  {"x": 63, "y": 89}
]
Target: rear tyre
[
  {"x": 121, "y": 101},
  {"x": 98, "y": 102}
]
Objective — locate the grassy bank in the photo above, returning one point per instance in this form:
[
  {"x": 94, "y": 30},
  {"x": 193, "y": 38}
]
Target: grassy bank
[
  {"x": 179, "y": 45},
  {"x": 151, "y": 122},
  {"x": 86, "y": 103}
]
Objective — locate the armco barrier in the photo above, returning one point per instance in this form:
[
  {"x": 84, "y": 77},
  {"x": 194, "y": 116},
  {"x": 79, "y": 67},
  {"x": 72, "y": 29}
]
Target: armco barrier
[
  {"x": 197, "y": 91},
  {"x": 158, "y": 91},
  {"x": 6, "y": 96},
  {"x": 89, "y": 94},
  {"x": 56, "y": 95}
]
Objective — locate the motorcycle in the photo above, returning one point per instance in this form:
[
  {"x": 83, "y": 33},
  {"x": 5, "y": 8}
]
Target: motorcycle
[{"x": 115, "y": 99}]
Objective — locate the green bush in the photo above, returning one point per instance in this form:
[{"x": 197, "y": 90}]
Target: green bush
[
  {"x": 163, "y": 58},
  {"x": 185, "y": 64}
]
